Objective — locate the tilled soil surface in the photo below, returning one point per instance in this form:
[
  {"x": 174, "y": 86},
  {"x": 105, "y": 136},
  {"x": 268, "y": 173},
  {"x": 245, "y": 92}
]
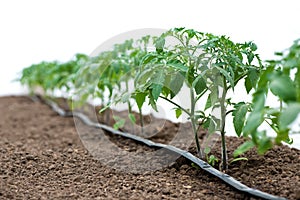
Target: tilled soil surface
[{"x": 43, "y": 157}]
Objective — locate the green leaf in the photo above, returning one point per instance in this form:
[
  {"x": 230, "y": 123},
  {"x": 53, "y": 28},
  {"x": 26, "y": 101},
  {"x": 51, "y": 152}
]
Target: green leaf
[
  {"x": 176, "y": 84},
  {"x": 214, "y": 98},
  {"x": 253, "y": 46},
  {"x": 251, "y": 79},
  {"x": 159, "y": 44},
  {"x": 148, "y": 58},
  {"x": 248, "y": 84},
  {"x": 246, "y": 146},
  {"x": 119, "y": 122},
  {"x": 227, "y": 76},
  {"x": 152, "y": 102},
  {"x": 212, "y": 126},
  {"x": 239, "y": 116},
  {"x": 259, "y": 98},
  {"x": 156, "y": 90},
  {"x": 178, "y": 112},
  {"x": 157, "y": 84},
  {"x": 140, "y": 99},
  {"x": 282, "y": 136},
  {"x": 212, "y": 160},
  {"x": 207, "y": 150},
  {"x": 297, "y": 83},
  {"x": 208, "y": 103},
  {"x": 132, "y": 118},
  {"x": 179, "y": 66},
  {"x": 199, "y": 84},
  {"x": 250, "y": 57},
  {"x": 253, "y": 122},
  {"x": 289, "y": 115},
  {"x": 206, "y": 123},
  {"x": 283, "y": 87},
  {"x": 264, "y": 145}
]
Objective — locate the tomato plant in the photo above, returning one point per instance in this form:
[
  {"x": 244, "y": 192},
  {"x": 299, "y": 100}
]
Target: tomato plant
[
  {"x": 53, "y": 75},
  {"x": 111, "y": 71},
  {"x": 281, "y": 78},
  {"x": 207, "y": 64}
]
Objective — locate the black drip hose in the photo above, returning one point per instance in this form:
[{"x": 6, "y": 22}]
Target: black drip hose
[{"x": 202, "y": 164}]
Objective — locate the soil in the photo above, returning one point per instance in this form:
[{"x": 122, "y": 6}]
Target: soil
[{"x": 43, "y": 157}]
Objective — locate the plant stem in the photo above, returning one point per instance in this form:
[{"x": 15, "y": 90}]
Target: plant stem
[
  {"x": 175, "y": 104},
  {"x": 223, "y": 118},
  {"x": 193, "y": 121},
  {"x": 280, "y": 109},
  {"x": 141, "y": 121},
  {"x": 129, "y": 107}
]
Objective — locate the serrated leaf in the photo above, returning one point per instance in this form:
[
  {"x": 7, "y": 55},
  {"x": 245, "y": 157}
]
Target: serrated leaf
[
  {"x": 283, "y": 87},
  {"x": 143, "y": 77},
  {"x": 227, "y": 76},
  {"x": 251, "y": 79},
  {"x": 140, "y": 99},
  {"x": 157, "y": 84},
  {"x": 156, "y": 90},
  {"x": 253, "y": 122},
  {"x": 178, "y": 112},
  {"x": 246, "y": 146},
  {"x": 176, "y": 84},
  {"x": 289, "y": 115},
  {"x": 248, "y": 84},
  {"x": 239, "y": 116},
  {"x": 199, "y": 84}
]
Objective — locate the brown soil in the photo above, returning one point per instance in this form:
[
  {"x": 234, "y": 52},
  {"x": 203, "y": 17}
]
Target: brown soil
[{"x": 42, "y": 157}]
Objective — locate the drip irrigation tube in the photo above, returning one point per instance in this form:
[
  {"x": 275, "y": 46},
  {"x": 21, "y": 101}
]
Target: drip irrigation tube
[{"x": 202, "y": 164}]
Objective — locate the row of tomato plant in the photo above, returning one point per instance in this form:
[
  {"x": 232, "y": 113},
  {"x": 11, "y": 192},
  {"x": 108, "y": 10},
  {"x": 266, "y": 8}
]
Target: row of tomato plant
[{"x": 210, "y": 66}]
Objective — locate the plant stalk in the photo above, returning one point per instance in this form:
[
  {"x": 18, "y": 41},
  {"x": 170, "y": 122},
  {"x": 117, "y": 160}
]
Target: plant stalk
[
  {"x": 129, "y": 107},
  {"x": 141, "y": 121},
  {"x": 175, "y": 104},
  {"x": 194, "y": 122},
  {"x": 224, "y": 164}
]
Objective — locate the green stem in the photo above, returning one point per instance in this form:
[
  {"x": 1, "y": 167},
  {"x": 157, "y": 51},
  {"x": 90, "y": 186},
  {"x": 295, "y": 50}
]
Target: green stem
[
  {"x": 280, "y": 106},
  {"x": 141, "y": 121},
  {"x": 175, "y": 104},
  {"x": 223, "y": 118},
  {"x": 194, "y": 122},
  {"x": 129, "y": 107}
]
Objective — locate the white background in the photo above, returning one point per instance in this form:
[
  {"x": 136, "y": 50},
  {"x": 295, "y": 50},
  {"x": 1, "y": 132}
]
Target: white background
[{"x": 33, "y": 30}]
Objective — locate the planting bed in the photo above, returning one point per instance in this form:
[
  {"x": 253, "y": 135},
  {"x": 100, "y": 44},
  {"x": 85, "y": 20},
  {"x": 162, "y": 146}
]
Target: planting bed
[{"x": 42, "y": 157}]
